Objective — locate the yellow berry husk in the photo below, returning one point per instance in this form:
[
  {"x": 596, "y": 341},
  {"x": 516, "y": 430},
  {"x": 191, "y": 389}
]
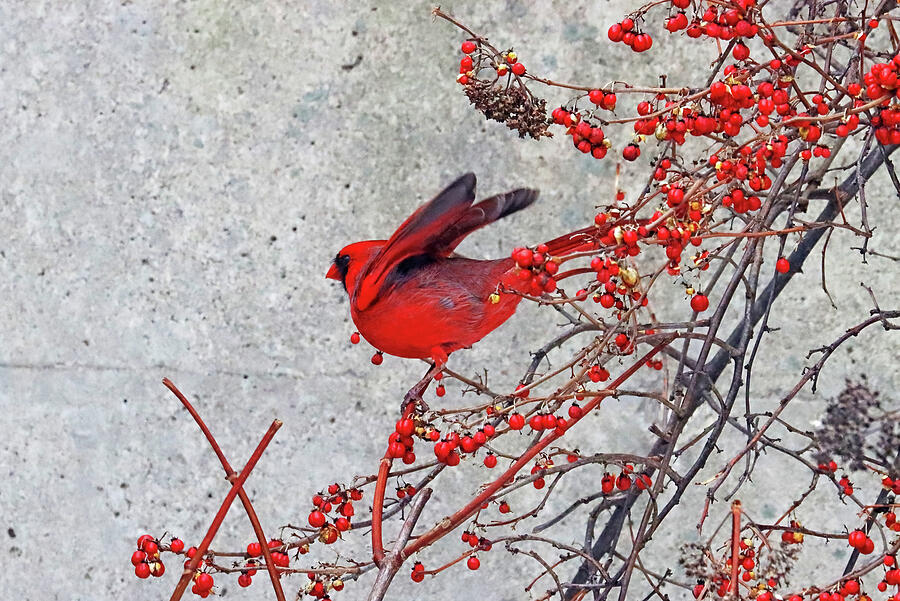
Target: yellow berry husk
[{"x": 629, "y": 275}]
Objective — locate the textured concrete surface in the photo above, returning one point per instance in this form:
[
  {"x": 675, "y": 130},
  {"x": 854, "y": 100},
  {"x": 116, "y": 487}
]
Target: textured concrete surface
[{"x": 175, "y": 178}]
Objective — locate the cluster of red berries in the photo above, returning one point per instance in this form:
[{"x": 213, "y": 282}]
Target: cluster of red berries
[
  {"x": 828, "y": 467},
  {"x": 586, "y": 137},
  {"x": 721, "y": 583},
  {"x": 400, "y": 442},
  {"x": 147, "y": 562},
  {"x": 732, "y": 22},
  {"x": 319, "y": 586},
  {"x": 610, "y": 483},
  {"x": 890, "y": 520},
  {"x": 338, "y": 500},
  {"x": 407, "y": 490},
  {"x": 861, "y": 542},
  {"x": 792, "y": 537},
  {"x": 508, "y": 62},
  {"x": 605, "y": 100},
  {"x": 537, "y": 268},
  {"x": 847, "y": 589},
  {"x": 540, "y": 466},
  {"x": 626, "y": 32},
  {"x": 146, "y": 559},
  {"x": 277, "y": 551},
  {"x": 449, "y": 450},
  {"x": 203, "y": 584},
  {"x": 882, "y": 82},
  {"x": 746, "y": 560},
  {"x": 846, "y": 485},
  {"x": 476, "y": 542},
  {"x": 616, "y": 286},
  {"x": 891, "y": 575}
]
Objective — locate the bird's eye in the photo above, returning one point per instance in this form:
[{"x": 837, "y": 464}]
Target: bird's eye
[{"x": 342, "y": 260}]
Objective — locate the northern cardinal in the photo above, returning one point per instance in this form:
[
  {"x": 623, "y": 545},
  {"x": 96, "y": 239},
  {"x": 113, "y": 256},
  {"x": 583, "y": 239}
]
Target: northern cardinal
[{"x": 411, "y": 296}]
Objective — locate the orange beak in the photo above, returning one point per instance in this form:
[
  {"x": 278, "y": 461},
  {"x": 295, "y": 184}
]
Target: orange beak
[{"x": 333, "y": 273}]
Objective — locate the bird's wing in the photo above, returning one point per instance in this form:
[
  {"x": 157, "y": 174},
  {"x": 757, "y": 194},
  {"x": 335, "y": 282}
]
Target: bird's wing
[
  {"x": 479, "y": 215},
  {"x": 437, "y": 228},
  {"x": 416, "y": 236}
]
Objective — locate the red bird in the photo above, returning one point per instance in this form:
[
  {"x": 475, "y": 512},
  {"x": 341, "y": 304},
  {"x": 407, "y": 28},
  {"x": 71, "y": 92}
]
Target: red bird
[{"x": 411, "y": 296}]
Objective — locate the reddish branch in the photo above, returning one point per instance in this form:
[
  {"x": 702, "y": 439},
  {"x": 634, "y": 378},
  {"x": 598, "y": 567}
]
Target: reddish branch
[
  {"x": 448, "y": 524},
  {"x": 242, "y": 494},
  {"x": 236, "y": 488},
  {"x": 391, "y": 563}
]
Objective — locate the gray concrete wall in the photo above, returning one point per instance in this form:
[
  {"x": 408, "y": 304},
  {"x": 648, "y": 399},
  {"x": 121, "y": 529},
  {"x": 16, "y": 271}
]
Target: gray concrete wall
[{"x": 175, "y": 179}]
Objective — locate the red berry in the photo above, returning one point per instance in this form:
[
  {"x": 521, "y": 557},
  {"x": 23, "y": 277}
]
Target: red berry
[
  {"x": 868, "y": 547},
  {"x": 406, "y": 427},
  {"x": 473, "y": 563},
  {"x": 857, "y": 539},
  {"x": 244, "y": 580},
  {"x": 354, "y": 338},
  {"x": 782, "y": 265},
  {"x": 317, "y": 519},
  {"x": 518, "y": 69},
  {"x": 204, "y": 581},
  {"x": 615, "y": 33},
  {"x": 138, "y": 557},
  {"x": 254, "y": 549},
  {"x": 490, "y": 460},
  {"x": 377, "y": 358},
  {"x": 150, "y": 547},
  {"x": 631, "y": 152},
  {"x": 176, "y": 545},
  {"x": 468, "y": 47},
  {"x": 142, "y": 570},
  {"x": 699, "y": 303},
  {"x": 516, "y": 421}
]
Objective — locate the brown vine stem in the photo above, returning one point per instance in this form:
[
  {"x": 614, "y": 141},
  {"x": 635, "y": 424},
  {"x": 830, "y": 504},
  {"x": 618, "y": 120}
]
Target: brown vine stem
[
  {"x": 448, "y": 524},
  {"x": 392, "y": 562},
  {"x": 236, "y": 487},
  {"x": 242, "y": 494}
]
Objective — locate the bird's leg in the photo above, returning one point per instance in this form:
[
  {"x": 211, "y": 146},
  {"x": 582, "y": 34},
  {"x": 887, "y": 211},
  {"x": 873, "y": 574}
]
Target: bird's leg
[{"x": 415, "y": 393}]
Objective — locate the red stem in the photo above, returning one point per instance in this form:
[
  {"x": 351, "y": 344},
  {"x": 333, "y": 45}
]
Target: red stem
[
  {"x": 242, "y": 494},
  {"x": 384, "y": 469},
  {"x": 217, "y": 521},
  {"x": 449, "y": 524}
]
